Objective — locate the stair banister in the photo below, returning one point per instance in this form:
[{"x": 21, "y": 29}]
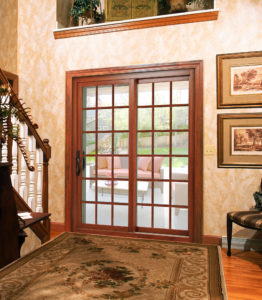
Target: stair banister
[{"x": 32, "y": 186}]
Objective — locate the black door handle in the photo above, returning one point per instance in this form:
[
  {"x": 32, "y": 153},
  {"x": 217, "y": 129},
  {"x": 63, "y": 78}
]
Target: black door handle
[
  {"x": 77, "y": 163},
  {"x": 83, "y": 161}
]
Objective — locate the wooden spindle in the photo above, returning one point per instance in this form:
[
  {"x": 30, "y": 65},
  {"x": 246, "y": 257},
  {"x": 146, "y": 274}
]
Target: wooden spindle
[
  {"x": 23, "y": 177},
  {"x": 5, "y": 152},
  {"x": 39, "y": 185},
  {"x": 14, "y": 173},
  {"x": 31, "y": 148}
]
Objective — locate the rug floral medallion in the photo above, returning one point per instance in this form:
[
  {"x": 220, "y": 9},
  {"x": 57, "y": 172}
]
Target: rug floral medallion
[{"x": 81, "y": 266}]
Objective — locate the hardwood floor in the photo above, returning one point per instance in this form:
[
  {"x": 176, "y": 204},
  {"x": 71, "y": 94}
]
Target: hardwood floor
[{"x": 243, "y": 273}]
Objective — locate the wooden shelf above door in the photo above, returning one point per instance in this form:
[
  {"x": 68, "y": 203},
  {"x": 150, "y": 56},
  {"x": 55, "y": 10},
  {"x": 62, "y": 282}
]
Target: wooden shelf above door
[{"x": 183, "y": 18}]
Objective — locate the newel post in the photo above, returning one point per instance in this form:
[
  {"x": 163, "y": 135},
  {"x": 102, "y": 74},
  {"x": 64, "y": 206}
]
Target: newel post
[
  {"x": 45, "y": 185},
  {"x": 45, "y": 175}
]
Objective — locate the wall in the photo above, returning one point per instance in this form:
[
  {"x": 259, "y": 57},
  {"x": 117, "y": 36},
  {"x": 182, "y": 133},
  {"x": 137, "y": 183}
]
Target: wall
[
  {"x": 43, "y": 61},
  {"x": 8, "y": 34}
]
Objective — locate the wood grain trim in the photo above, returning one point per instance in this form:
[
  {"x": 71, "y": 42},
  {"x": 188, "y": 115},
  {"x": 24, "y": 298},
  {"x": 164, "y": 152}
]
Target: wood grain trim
[
  {"x": 130, "y": 25},
  {"x": 212, "y": 240},
  {"x": 68, "y": 152},
  {"x": 57, "y": 226},
  {"x": 198, "y": 154}
]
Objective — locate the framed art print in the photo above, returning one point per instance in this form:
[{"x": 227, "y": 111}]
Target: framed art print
[
  {"x": 240, "y": 140},
  {"x": 239, "y": 80}
]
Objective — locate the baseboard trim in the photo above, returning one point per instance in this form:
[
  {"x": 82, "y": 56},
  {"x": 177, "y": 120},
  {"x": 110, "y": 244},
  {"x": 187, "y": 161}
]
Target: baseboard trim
[
  {"x": 57, "y": 226},
  {"x": 243, "y": 243},
  {"x": 212, "y": 240}
]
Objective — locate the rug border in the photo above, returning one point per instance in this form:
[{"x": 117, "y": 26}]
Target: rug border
[
  {"x": 222, "y": 275},
  {"x": 24, "y": 259}
]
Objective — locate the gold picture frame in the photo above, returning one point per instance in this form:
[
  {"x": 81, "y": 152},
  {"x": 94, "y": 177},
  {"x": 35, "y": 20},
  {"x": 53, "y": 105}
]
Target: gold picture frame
[
  {"x": 240, "y": 140},
  {"x": 239, "y": 80}
]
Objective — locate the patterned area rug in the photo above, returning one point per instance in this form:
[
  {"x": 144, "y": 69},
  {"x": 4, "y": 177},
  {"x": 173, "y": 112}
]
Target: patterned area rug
[{"x": 81, "y": 266}]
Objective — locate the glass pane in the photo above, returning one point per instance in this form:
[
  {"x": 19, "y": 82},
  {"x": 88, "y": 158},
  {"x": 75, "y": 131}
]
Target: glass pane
[
  {"x": 121, "y": 143},
  {"x": 144, "y": 143},
  {"x": 88, "y": 213},
  {"x": 88, "y": 190},
  {"x": 180, "y": 92},
  {"x": 143, "y": 216},
  {"x": 144, "y": 92},
  {"x": 121, "y": 189},
  {"x": 179, "y": 218},
  {"x": 105, "y": 95},
  {"x": 120, "y": 167},
  {"x": 104, "y": 188},
  {"x": 180, "y": 117},
  {"x": 144, "y": 119},
  {"x": 161, "y": 142},
  {"x": 143, "y": 192},
  {"x": 89, "y": 96},
  {"x": 161, "y": 217},
  {"x": 162, "y": 118},
  {"x": 121, "y": 95},
  {"x": 121, "y": 215},
  {"x": 121, "y": 119},
  {"x": 104, "y": 119},
  {"x": 180, "y": 143},
  {"x": 144, "y": 167},
  {"x": 162, "y": 93},
  {"x": 104, "y": 143},
  {"x": 104, "y": 214},
  {"x": 179, "y": 193},
  {"x": 161, "y": 192},
  {"x": 102, "y": 167},
  {"x": 89, "y": 120},
  {"x": 163, "y": 171},
  {"x": 89, "y": 143},
  {"x": 89, "y": 167},
  {"x": 143, "y": 195},
  {"x": 180, "y": 168}
]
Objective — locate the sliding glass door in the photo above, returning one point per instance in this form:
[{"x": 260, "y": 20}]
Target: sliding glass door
[{"x": 134, "y": 144}]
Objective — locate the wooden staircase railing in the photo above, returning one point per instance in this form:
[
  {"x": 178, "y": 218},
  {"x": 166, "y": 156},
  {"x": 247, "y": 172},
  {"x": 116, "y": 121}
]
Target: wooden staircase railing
[{"x": 29, "y": 172}]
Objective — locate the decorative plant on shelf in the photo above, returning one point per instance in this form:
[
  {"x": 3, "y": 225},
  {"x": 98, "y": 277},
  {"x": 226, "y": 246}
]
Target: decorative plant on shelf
[
  {"x": 11, "y": 108},
  {"x": 86, "y": 11}
]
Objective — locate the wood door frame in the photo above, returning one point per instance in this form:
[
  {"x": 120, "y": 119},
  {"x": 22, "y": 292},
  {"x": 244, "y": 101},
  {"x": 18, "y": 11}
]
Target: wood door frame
[{"x": 196, "y": 69}]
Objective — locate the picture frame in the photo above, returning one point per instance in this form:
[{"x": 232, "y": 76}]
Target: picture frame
[
  {"x": 240, "y": 140},
  {"x": 239, "y": 80}
]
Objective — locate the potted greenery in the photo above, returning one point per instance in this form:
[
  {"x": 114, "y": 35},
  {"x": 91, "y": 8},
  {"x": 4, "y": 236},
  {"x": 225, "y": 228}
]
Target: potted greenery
[
  {"x": 85, "y": 11},
  {"x": 6, "y": 111},
  {"x": 9, "y": 109}
]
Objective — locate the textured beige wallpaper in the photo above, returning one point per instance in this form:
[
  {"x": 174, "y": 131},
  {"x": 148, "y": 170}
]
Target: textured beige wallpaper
[
  {"x": 43, "y": 61},
  {"x": 8, "y": 35}
]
